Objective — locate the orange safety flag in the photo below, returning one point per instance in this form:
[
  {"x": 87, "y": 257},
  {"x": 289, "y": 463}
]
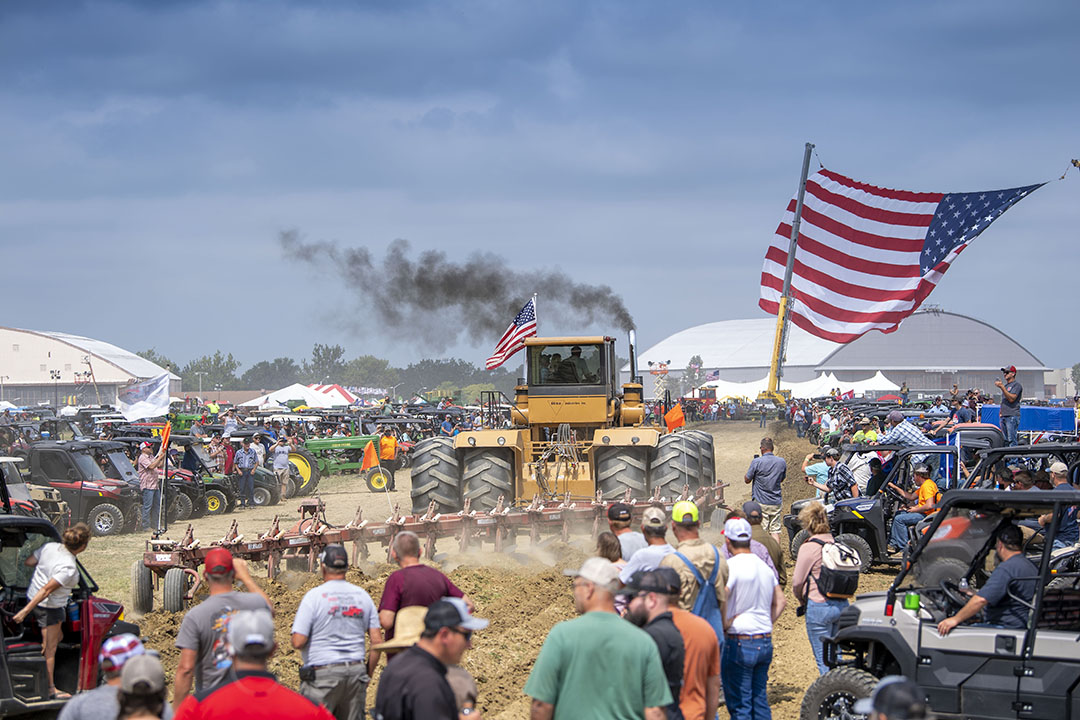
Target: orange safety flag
[
  {"x": 371, "y": 456},
  {"x": 165, "y": 434},
  {"x": 674, "y": 417}
]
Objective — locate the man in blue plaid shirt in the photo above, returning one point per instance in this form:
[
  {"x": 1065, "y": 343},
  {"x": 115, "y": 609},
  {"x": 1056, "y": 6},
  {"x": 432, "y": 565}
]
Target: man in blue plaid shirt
[
  {"x": 901, "y": 432},
  {"x": 246, "y": 461}
]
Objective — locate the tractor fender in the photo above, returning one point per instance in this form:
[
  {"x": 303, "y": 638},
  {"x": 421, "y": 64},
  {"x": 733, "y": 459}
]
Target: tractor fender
[
  {"x": 511, "y": 440},
  {"x": 624, "y": 437}
]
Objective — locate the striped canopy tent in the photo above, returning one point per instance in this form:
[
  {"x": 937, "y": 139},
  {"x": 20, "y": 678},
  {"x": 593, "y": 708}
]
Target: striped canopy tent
[{"x": 335, "y": 393}]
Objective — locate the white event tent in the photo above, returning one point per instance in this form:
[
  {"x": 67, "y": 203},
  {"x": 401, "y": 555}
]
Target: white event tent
[{"x": 295, "y": 392}]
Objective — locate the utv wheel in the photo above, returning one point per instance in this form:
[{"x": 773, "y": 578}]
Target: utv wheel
[
  {"x": 307, "y": 471},
  {"x": 182, "y": 507},
  {"x": 797, "y": 541},
  {"x": 676, "y": 462},
  {"x": 833, "y": 695},
  {"x": 290, "y": 488},
  {"x": 106, "y": 519},
  {"x": 176, "y": 587},
  {"x": 860, "y": 546},
  {"x": 378, "y": 479},
  {"x": 198, "y": 506},
  {"x": 488, "y": 474},
  {"x": 215, "y": 502},
  {"x": 142, "y": 588},
  {"x": 262, "y": 496},
  {"x": 933, "y": 573},
  {"x": 436, "y": 476},
  {"x": 622, "y": 468}
]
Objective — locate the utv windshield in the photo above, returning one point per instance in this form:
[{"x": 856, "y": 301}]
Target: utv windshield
[
  {"x": 565, "y": 365},
  {"x": 15, "y": 486},
  {"x": 15, "y": 546},
  {"x": 964, "y": 536},
  {"x": 90, "y": 469}
]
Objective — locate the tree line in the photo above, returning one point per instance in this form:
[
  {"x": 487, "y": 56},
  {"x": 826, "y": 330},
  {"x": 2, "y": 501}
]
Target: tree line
[{"x": 440, "y": 377}]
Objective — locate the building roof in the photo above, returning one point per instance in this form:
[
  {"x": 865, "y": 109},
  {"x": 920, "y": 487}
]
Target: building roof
[
  {"x": 127, "y": 361},
  {"x": 736, "y": 344},
  {"x": 934, "y": 340}
]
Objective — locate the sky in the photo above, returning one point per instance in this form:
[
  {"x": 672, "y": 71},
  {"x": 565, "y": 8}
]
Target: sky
[{"x": 153, "y": 153}]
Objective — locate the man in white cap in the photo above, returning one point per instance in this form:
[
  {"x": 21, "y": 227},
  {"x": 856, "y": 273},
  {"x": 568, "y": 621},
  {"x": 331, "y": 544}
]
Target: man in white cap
[
  {"x": 597, "y": 665},
  {"x": 101, "y": 702},
  {"x": 754, "y": 602},
  {"x": 414, "y": 686},
  {"x": 251, "y": 691}
]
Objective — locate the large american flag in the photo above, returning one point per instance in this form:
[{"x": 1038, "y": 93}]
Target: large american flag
[
  {"x": 513, "y": 339},
  {"x": 866, "y": 256}
]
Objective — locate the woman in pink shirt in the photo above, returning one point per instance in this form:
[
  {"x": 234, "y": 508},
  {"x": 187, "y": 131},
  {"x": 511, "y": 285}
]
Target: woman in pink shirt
[{"x": 821, "y": 611}]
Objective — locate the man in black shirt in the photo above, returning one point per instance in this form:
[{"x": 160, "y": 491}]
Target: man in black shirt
[
  {"x": 414, "y": 686},
  {"x": 1013, "y": 580},
  {"x": 877, "y": 477},
  {"x": 648, "y": 594}
]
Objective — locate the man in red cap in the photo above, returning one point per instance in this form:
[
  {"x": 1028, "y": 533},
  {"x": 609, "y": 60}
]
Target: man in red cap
[
  {"x": 202, "y": 637},
  {"x": 1011, "y": 392}
]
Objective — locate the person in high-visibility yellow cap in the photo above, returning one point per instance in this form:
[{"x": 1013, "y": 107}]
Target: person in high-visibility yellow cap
[{"x": 685, "y": 526}]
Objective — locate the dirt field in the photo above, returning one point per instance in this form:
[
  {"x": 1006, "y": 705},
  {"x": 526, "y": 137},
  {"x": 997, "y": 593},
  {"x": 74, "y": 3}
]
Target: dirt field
[{"x": 523, "y": 594}]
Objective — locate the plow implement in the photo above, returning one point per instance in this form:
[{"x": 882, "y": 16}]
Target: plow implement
[{"x": 173, "y": 565}]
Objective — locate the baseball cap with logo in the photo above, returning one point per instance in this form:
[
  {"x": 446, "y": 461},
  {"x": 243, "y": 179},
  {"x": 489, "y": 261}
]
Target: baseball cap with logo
[
  {"x": 219, "y": 561},
  {"x": 250, "y": 628},
  {"x": 599, "y": 571},
  {"x": 737, "y": 529},
  {"x": 619, "y": 511},
  {"x": 335, "y": 557},
  {"x": 143, "y": 674},
  {"x": 654, "y": 517},
  {"x": 1059, "y": 468},
  {"x": 117, "y": 650},
  {"x": 894, "y": 697},
  {"x": 1009, "y": 369},
  {"x": 685, "y": 512},
  {"x": 451, "y": 612}
]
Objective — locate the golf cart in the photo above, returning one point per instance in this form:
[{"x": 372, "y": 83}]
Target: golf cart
[{"x": 976, "y": 671}]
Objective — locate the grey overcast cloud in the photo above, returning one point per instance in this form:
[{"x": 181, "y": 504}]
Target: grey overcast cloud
[{"x": 154, "y": 152}]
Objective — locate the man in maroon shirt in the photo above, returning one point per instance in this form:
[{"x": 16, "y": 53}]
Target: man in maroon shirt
[{"x": 413, "y": 584}]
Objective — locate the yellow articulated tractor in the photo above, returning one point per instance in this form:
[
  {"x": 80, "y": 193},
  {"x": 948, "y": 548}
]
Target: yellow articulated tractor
[{"x": 572, "y": 429}]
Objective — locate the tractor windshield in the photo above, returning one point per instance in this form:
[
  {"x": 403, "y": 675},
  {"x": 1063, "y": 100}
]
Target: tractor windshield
[{"x": 566, "y": 365}]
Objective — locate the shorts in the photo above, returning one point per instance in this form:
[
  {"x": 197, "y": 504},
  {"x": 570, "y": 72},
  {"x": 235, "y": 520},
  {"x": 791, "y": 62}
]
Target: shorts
[
  {"x": 770, "y": 518},
  {"x": 47, "y": 616}
]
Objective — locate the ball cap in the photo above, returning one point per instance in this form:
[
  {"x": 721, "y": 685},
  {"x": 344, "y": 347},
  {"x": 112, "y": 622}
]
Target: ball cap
[
  {"x": 335, "y": 557},
  {"x": 752, "y": 508},
  {"x": 737, "y": 529},
  {"x": 893, "y": 698},
  {"x": 1059, "y": 468},
  {"x": 143, "y": 674},
  {"x": 250, "y": 628},
  {"x": 654, "y": 517},
  {"x": 619, "y": 511},
  {"x": 219, "y": 561},
  {"x": 1009, "y": 369},
  {"x": 117, "y": 650},
  {"x": 664, "y": 581},
  {"x": 451, "y": 612},
  {"x": 684, "y": 512},
  {"x": 895, "y": 416},
  {"x": 600, "y": 571}
]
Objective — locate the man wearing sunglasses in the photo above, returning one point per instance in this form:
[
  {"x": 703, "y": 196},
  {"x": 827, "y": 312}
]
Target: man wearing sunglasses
[{"x": 414, "y": 686}]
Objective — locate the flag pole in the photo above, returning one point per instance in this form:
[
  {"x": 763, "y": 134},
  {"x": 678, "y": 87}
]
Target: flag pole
[{"x": 776, "y": 366}]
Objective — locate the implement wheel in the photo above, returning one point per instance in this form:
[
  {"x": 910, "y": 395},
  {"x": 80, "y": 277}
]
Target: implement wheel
[
  {"x": 142, "y": 587},
  {"x": 436, "y": 476},
  {"x": 488, "y": 474},
  {"x": 619, "y": 468},
  {"x": 306, "y": 469},
  {"x": 176, "y": 587}
]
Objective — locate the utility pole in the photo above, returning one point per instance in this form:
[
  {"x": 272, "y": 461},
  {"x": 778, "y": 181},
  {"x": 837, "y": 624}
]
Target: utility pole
[
  {"x": 2, "y": 379},
  {"x": 200, "y": 373}
]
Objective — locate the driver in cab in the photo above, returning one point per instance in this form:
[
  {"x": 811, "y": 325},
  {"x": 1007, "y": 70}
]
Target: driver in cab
[{"x": 1003, "y": 597}]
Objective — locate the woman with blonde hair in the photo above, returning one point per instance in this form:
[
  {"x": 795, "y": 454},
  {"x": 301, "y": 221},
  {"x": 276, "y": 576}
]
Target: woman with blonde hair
[
  {"x": 821, "y": 611},
  {"x": 55, "y": 573}
]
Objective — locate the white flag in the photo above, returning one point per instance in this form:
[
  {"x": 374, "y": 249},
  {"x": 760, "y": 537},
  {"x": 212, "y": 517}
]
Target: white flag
[{"x": 146, "y": 399}]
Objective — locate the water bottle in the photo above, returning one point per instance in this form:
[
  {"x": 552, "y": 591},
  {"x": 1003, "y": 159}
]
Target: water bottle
[
  {"x": 963, "y": 584},
  {"x": 73, "y": 615}
]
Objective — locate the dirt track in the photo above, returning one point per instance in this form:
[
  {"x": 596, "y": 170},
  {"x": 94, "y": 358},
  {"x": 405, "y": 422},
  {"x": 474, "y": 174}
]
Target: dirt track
[{"x": 523, "y": 594}]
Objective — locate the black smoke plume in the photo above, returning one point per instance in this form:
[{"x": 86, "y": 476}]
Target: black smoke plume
[{"x": 440, "y": 300}]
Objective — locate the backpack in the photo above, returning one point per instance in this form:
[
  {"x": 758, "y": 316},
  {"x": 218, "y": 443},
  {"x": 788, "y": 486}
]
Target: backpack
[
  {"x": 707, "y": 606},
  {"x": 840, "y": 567}
]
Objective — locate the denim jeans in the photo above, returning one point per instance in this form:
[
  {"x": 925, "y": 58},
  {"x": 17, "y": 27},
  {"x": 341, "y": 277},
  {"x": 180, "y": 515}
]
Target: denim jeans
[
  {"x": 246, "y": 487},
  {"x": 744, "y": 671},
  {"x": 898, "y": 536},
  {"x": 1010, "y": 426},
  {"x": 819, "y": 620},
  {"x": 151, "y": 505}
]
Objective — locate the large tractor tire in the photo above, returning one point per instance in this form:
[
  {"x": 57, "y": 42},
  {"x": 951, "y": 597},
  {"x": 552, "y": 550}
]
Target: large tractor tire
[
  {"x": 622, "y": 468},
  {"x": 676, "y": 462},
  {"x": 708, "y": 455},
  {"x": 176, "y": 587},
  {"x": 142, "y": 587},
  {"x": 488, "y": 474},
  {"x": 106, "y": 519},
  {"x": 307, "y": 471},
  {"x": 436, "y": 476},
  {"x": 834, "y": 694}
]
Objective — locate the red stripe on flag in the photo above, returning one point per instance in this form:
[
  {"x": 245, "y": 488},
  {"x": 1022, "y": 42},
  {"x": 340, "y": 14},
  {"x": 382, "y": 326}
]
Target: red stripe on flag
[
  {"x": 888, "y": 217},
  {"x": 882, "y": 192}
]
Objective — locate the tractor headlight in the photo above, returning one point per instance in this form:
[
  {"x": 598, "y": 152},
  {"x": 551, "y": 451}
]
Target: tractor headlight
[
  {"x": 605, "y": 439},
  {"x": 635, "y": 440},
  {"x": 501, "y": 440},
  {"x": 472, "y": 441}
]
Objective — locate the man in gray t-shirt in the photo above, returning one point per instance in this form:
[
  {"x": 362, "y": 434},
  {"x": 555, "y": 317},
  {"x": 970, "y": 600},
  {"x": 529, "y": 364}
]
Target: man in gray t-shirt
[
  {"x": 202, "y": 635},
  {"x": 280, "y": 452},
  {"x": 1011, "y": 393},
  {"x": 329, "y": 629},
  {"x": 766, "y": 475}
]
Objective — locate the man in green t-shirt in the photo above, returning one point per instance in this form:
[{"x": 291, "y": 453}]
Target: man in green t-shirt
[{"x": 597, "y": 666}]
